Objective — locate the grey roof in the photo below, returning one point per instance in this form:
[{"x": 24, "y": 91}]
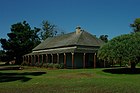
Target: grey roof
[{"x": 71, "y": 39}]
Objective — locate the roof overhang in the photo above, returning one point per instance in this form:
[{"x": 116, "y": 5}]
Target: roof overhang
[{"x": 72, "y": 49}]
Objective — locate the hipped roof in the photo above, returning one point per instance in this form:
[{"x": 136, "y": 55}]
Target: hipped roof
[{"x": 71, "y": 39}]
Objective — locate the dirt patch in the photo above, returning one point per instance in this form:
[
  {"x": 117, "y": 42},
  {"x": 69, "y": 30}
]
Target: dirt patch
[
  {"x": 86, "y": 74},
  {"x": 76, "y": 75}
]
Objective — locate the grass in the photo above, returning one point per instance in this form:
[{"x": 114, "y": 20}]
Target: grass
[{"x": 41, "y": 80}]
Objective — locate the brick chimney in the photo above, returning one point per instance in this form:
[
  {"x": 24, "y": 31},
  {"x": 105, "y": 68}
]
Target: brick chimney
[{"x": 78, "y": 29}]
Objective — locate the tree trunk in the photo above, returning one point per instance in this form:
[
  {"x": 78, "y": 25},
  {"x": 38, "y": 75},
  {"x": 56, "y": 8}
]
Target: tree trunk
[
  {"x": 133, "y": 65},
  {"x": 18, "y": 60},
  {"x": 120, "y": 64}
]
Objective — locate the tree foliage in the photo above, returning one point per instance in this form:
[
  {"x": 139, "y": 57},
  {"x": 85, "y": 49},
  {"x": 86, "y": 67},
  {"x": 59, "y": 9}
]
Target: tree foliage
[
  {"x": 123, "y": 48},
  {"x": 48, "y": 30},
  {"x": 136, "y": 25},
  {"x": 104, "y": 38},
  {"x": 22, "y": 39},
  {"x": 2, "y": 56}
]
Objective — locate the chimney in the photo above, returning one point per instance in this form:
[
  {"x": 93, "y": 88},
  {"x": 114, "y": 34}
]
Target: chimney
[{"x": 78, "y": 29}]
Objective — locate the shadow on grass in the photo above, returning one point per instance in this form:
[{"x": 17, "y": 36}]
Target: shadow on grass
[
  {"x": 122, "y": 71},
  {"x": 8, "y": 77},
  {"x": 11, "y": 68}
]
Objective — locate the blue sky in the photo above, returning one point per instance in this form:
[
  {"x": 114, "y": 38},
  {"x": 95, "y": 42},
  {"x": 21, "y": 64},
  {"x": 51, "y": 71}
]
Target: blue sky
[{"x": 98, "y": 17}]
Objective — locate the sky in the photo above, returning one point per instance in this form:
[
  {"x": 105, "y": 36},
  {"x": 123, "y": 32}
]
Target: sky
[{"x": 98, "y": 17}]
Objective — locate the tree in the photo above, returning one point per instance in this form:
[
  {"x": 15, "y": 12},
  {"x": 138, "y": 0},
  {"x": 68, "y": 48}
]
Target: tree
[
  {"x": 136, "y": 25},
  {"x": 104, "y": 38},
  {"x": 22, "y": 39},
  {"x": 123, "y": 48},
  {"x": 48, "y": 30},
  {"x": 2, "y": 56}
]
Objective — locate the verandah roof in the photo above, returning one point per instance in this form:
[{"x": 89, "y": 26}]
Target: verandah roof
[{"x": 65, "y": 50}]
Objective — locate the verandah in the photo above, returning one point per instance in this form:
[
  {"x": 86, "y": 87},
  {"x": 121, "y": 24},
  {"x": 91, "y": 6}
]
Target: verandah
[{"x": 70, "y": 60}]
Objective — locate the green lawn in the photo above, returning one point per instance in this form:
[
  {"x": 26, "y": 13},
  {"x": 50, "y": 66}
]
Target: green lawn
[{"x": 41, "y": 80}]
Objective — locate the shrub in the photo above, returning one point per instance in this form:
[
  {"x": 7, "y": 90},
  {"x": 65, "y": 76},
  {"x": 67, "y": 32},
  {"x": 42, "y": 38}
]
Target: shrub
[
  {"x": 50, "y": 65},
  {"x": 61, "y": 66},
  {"x": 40, "y": 64},
  {"x": 36, "y": 63},
  {"x": 56, "y": 65},
  {"x": 45, "y": 65},
  {"x": 24, "y": 63}
]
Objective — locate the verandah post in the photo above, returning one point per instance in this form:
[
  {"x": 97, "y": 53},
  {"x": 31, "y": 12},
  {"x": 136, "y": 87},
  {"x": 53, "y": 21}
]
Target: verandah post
[
  {"x": 34, "y": 59},
  {"x": 42, "y": 59},
  {"x": 64, "y": 60},
  {"x": 72, "y": 60},
  {"x": 38, "y": 60},
  {"x": 52, "y": 57},
  {"x": 84, "y": 60},
  {"x": 94, "y": 60},
  {"x": 46, "y": 58},
  {"x": 57, "y": 58}
]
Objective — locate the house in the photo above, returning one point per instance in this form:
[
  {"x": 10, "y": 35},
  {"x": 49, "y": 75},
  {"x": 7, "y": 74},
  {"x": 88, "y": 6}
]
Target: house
[{"x": 75, "y": 50}]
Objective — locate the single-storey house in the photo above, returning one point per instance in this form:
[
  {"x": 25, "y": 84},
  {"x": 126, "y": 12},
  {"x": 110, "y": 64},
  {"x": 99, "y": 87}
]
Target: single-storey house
[{"x": 75, "y": 50}]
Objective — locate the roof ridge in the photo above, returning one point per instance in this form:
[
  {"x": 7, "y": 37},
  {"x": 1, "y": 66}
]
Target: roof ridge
[
  {"x": 79, "y": 37},
  {"x": 97, "y": 41},
  {"x": 61, "y": 35}
]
